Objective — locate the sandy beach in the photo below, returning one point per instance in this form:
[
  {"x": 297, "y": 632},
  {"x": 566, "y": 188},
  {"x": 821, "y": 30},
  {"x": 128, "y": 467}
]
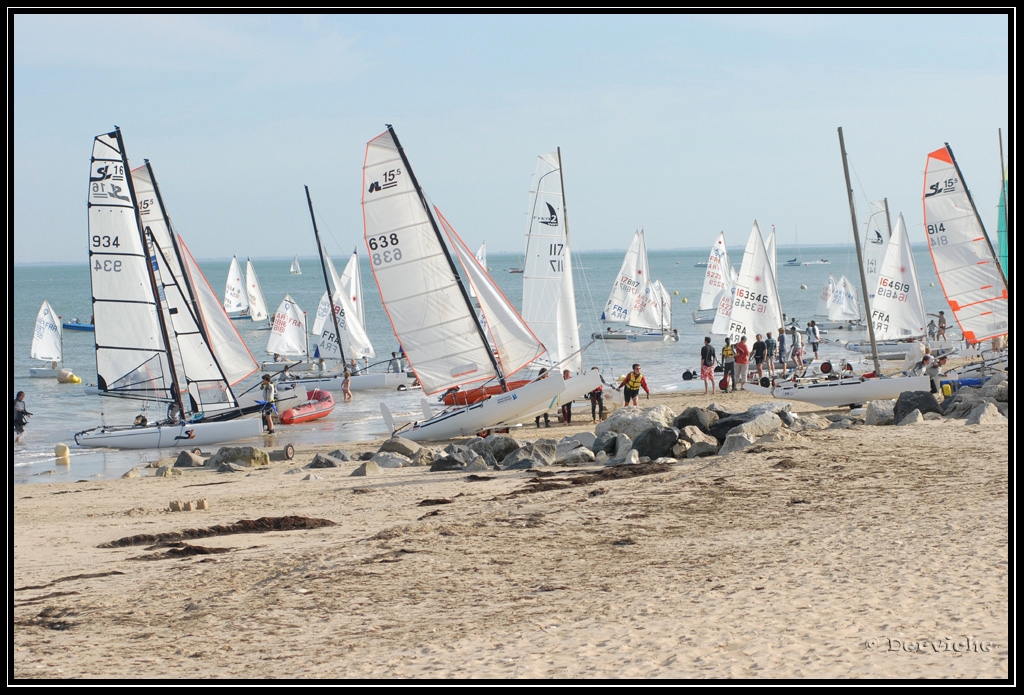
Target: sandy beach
[{"x": 866, "y": 552}]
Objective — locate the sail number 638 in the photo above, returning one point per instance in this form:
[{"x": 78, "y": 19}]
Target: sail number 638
[{"x": 387, "y": 245}]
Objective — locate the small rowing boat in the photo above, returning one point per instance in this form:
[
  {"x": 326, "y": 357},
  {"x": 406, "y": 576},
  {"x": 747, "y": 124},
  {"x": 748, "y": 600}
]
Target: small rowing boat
[{"x": 318, "y": 404}]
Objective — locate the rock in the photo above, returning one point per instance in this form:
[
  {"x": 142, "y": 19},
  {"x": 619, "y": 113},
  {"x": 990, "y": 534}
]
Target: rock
[
  {"x": 229, "y": 467},
  {"x": 601, "y": 457},
  {"x": 400, "y": 445},
  {"x": 576, "y": 456},
  {"x": 186, "y": 459},
  {"x": 387, "y": 459},
  {"x": 702, "y": 448},
  {"x": 694, "y": 435},
  {"x": 325, "y": 461},
  {"x": 447, "y": 463},
  {"x": 761, "y": 425},
  {"x": 656, "y": 442},
  {"x": 313, "y": 476},
  {"x": 622, "y": 444},
  {"x": 695, "y": 416},
  {"x": 809, "y": 421},
  {"x": 680, "y": 448},
  {"x": 914, "y": 400},
  {"x": 736, "y": 441},
  {"x": 133, "y": 473},
  {"x": 842, "y": 424},
  {"x": 498, "y": 445},
  {"x": 879, "y": 412},
  {"x": 341, "y": 455},
  {"x": 246, "y": 456},
  {"x": 911, "y": 418},
  {"x": 566, "y": 446},
  {"x": 788, "y": 418},
  {"x": 166, "y": 472},
  {"x": 367, "y": 468},
  {"x": 721, "y": 427},
  {"x": 986, "y": 414},
  {"x": 630, "y": 458},
  {"x": 633, "y": 420},
  {"x": 586, "y": 439},
  {"x": 531, "y": 455},
  {"x": 605, "y": 443}
]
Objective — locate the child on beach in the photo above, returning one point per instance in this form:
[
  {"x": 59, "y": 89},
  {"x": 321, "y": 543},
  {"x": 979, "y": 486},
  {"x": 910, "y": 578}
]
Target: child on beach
[{"x": 346, "y": 386}]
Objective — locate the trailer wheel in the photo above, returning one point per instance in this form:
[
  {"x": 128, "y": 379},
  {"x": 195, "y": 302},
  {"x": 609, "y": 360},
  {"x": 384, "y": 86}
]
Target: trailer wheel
[{"x": 289, "y": 452}]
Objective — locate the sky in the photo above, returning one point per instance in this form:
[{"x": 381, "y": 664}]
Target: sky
[{"x": 684, "y": 125}]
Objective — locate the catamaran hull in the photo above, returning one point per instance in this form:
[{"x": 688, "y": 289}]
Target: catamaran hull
[
  {"x": 360, "y": 382},
  {"x": 575, "y": 388},
  {"x": 507, "y": 408},
  {"x": 162, "y": 435},
  {"x": 839, "y": 392},
  {"x": 636, "y": 337}
]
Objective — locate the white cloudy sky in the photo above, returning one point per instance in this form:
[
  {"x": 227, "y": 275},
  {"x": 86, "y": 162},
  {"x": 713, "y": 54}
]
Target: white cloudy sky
[{"x": 685, "y": 125}]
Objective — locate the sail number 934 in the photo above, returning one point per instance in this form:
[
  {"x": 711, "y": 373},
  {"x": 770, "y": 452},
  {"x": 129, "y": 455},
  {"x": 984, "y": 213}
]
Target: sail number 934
[{"x": 385, "y": 247}]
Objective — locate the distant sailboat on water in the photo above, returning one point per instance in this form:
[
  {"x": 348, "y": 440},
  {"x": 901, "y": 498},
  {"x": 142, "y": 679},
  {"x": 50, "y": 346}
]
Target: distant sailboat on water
[{"x": 296, "y": 270}]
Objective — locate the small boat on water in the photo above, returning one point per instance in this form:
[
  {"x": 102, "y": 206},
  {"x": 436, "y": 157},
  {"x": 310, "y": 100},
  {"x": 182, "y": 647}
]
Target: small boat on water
[
  {"x": 74, "y": 325},
  {"x": 318, "y": 404}
]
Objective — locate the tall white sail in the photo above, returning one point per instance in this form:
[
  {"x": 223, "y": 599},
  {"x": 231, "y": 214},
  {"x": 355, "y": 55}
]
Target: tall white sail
[
  {"x": 131, "y": 352},
  {"x": 769, "y": 247},
  {"x": 332, "y": 272},
  {"x": 876, "y": 242},
  {"x": 825, "y": 298},
  {"x": 627, "y": 293},
  {"x": 353, "y": 286},
  {"x": 717, "y": 276},
  {"x": 419, "y": 285},
  {"x": 257, "y": 302},
  {"x": 665, "y": 305},
  {"x": 295, "y": 269},
  {"x": 897, "y": 309},
  {"x": 549, "y": 296},
  {"x": 756, "y": 307},
  {"x": 843, "y": 306},
  {"x": 234, "y": 356},
  {"x": 962, "y": 252},
  {"x": 46, "y": 340},
  {"x": 354, "y": 340},
  {"x": 515, "y": 343},
  {"x": 288, "y": 332},
  {"x": 235, "y": 298}
]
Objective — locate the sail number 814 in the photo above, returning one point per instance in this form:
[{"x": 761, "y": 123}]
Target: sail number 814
[{"x": 387, "y": 246}]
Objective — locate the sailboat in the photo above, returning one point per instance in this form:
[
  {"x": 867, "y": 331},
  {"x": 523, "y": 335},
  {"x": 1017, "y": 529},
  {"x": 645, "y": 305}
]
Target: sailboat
[
  {"x": 834, "y": 390},
  {"x": 634, "y": 301},
  {"x": 718, "y": 282},
  {"x": 965, "y": 261},
  {"x": 152, "y": 342},
  {"x": 428, "y": 304},
  {"x": 295, "y": 269},
  {"x": 47, "y": 343},
  {"x": 236, "y": 301},
  {"x": 254, "y": 293},
  {"x": 876, "y": 242},
  {"x": 352, "y": 282},
  {"x": 756, "y": 307}
]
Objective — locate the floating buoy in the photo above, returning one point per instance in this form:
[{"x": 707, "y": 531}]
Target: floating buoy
[
  {"x": 61, "y": 451},
  {"x": 684, "y": 300},
  {"x": 66, "y": 376},
  {"x": 676, "y": 292},
  {"x": 931, "y": 284},
  {"x": 803, "y": 287}
]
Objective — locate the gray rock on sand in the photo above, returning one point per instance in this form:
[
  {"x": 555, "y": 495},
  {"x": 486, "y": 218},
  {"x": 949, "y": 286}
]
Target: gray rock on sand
[
  {"x": 986, "y": 414},
  {"x": 400, "y": 445},
  {"x": 911, "y": 418},
  {"x": 186, "y": 459},
  {"x": 367, "y": 468},
  {"x": 633, "y": 420},
  {"x": 325, "y": 461},
  {"x": 498, "y": 445},
  {"x": 656, "y": 442},
  {"x": 879, "y": 412},
  {"x": 246, "y": 456},
  {"x": 736, "y": 441},
  {"x": 914, "y": 400}
]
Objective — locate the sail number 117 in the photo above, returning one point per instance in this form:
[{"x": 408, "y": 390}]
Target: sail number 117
[{"x": 555, "y": 251}]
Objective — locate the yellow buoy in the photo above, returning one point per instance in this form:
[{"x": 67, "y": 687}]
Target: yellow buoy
[
  {"x": 61, "y": 451},
  {"x": 684, "y": 300},
  {"x": 676, "y": 292}
]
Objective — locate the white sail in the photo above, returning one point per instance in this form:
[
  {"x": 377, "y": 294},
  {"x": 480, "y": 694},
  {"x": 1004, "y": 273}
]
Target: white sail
[
  {"x": 514, "y": 342},
  {"x": 769, "y": 247},
  {"x": 332, "y": 272},
  {"x": 235, "y": 298},
  {"x": 419, "y": 286},
  {"x": 481, "y": 255},
  {"x": 628, "y": 285},
  {"x": 897, "y": 309},
  {"x": 288, "y": 332},
  {"x": 549, "y": 297},
  {"x": 756, "y": 307},
  {"x": 354, "y": 340},
  {"x": 353, "y": 286},
  {"x": 257, "y": 302},
  {"x": 666, "y": 305},
  {"x": 718, "y": 276},
  {"x": 876, "y": 242},
  {"x": 131, "y": 354},
  {"x": 46, "y": 341},
  {"x": 843, "y": 306},
  {"x": 962, "y": 253},
  {"x": 825, "y": 298},
  {"x": 295, "y": 269},
  {"x": 232, "y": 353}
]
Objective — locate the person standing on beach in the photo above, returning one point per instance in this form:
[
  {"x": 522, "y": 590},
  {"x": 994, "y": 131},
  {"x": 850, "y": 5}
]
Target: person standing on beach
[
  {"x": 19, "y": 415},
  {"x": 547, "y": 420},
  {"x": 770, "y": 346},
  {"x": 758, "y": 353},
  {"x": 728, "y": 366},
  {"x": 797, "y": 351},
  {"x": 596, "y": 398},
  {"x": 269, "y": 394},
  {"x": 707, "y": 365},
  {"x": 567, "y": 407},
  {"x": 631, "y": 385},
  {"x": 783, "y": 356},
  {"x": 813, "y": 337},
  {"x": 346, "y": 386},
  {"x": 742, "y": 361},
  {"x": 940, "y": 330}
]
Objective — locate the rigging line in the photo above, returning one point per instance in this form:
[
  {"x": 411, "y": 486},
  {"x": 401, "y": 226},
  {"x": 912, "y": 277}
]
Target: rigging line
[{"x": 591, "y": 308}]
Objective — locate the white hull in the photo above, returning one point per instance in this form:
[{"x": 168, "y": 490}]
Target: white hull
[
  {"x": 273, "y": 367},
  {"x": 503, "y": 409},
  {"x": 635, "y": 337},
  {"x": 43, "y": 372},
  {"x": 885, "y": 351},
  {"x": 158, "y": 436},
  {"x": 839, "y": 392},
  {"x": 360, "y": 382},
  {"x": 575, "y": 388},
  {"x": 707, "y": 317}
]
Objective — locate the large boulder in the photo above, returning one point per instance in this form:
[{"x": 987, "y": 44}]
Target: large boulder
[
  {"x": 531, "y": 455},
  {"x": 633, "y": 420},
  {"x": 326, "y": 461},
  {"x": 656, "y": 442},
  {"x": 736, "y": 441},
  {"x": 695, "y": 416},
  {"x": 246, "y": 456},
  {"x": 914, "y": 400},
  {"x": 761, "y": 425},
  {"x": 723, "y": 426},
  {"x": 390, "y": 459},
  {"x": 401, "y": 445},
  {"x": 498, "y": 445},
  {"x": 879, "y": 412},
  {"x": 986, "y": 414}
]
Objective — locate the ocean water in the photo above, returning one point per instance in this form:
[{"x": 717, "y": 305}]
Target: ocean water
[{"x": 60, "y": 410}]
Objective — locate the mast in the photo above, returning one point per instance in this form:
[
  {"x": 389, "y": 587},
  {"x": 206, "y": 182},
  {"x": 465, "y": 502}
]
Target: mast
[
  {"x": 150, "y": 248},
  {"x": 959, "y": 174},
  {"x": 860, "y": 255},
  {"x": 448, "y": 256},
  {"x": 330, "y": 297}
]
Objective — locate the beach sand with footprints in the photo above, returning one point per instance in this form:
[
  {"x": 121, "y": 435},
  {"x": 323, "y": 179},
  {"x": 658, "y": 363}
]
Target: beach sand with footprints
[{"x": 860, "y": 552}]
